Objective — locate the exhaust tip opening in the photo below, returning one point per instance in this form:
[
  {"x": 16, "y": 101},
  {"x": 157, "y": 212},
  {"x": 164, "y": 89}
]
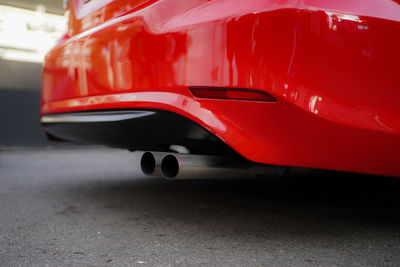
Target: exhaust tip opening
[
  {"x": 148, "y": 163},
  {"x": 170, "y": 166}
]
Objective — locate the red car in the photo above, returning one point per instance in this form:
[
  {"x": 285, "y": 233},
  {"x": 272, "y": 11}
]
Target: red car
[{"x": 310, "y": 83}]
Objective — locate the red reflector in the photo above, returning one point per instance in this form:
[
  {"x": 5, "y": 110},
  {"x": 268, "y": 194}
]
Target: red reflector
[{"x": 231, "y": 93}]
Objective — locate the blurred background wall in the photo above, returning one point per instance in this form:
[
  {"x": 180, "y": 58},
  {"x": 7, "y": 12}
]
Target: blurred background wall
[{"x": 27, "y": 30}]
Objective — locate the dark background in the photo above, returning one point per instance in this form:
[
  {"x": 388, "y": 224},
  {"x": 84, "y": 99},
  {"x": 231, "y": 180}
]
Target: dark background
[{"x": 20, "y": 85}]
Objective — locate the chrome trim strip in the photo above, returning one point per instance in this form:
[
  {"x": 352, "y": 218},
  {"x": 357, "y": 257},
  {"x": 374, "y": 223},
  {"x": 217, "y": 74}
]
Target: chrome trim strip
[{"x": 97, "y": 116}]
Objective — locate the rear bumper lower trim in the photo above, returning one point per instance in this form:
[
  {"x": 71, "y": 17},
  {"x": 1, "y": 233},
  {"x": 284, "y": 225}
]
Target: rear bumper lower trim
[
  {"x": 155, "y": 130},
  {"x": 99, "y": 116}
]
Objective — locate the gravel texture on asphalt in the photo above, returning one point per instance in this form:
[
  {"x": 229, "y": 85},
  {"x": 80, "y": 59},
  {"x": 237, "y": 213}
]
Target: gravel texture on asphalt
[{"x": 94, "y": 207}]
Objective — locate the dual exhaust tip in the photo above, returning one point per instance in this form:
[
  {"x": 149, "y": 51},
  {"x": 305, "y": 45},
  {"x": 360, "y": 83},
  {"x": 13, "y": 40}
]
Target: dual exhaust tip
[
  {"x": 189, "y": 167},
  {"x": 159, "y": 164}
]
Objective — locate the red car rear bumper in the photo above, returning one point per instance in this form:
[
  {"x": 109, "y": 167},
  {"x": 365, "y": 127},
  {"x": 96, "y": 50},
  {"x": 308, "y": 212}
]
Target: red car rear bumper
[{"x": 333, "y": 71}]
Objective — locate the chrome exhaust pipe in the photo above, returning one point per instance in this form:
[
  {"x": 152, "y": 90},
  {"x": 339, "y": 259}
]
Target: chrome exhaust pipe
[
  {"x": 180, "y": 167},
  {"x": 150, "y": 163}
]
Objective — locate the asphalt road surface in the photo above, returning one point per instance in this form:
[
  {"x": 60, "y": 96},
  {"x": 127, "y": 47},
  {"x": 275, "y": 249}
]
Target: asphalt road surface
[{"x": 94, "y": 207}]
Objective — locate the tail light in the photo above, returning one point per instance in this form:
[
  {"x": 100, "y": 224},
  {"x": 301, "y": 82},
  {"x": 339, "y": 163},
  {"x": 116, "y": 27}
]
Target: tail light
[{"x": 231, "y": 93}]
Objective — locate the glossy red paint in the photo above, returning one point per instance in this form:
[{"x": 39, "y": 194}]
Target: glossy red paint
[{"x": 332, "y": 66}]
